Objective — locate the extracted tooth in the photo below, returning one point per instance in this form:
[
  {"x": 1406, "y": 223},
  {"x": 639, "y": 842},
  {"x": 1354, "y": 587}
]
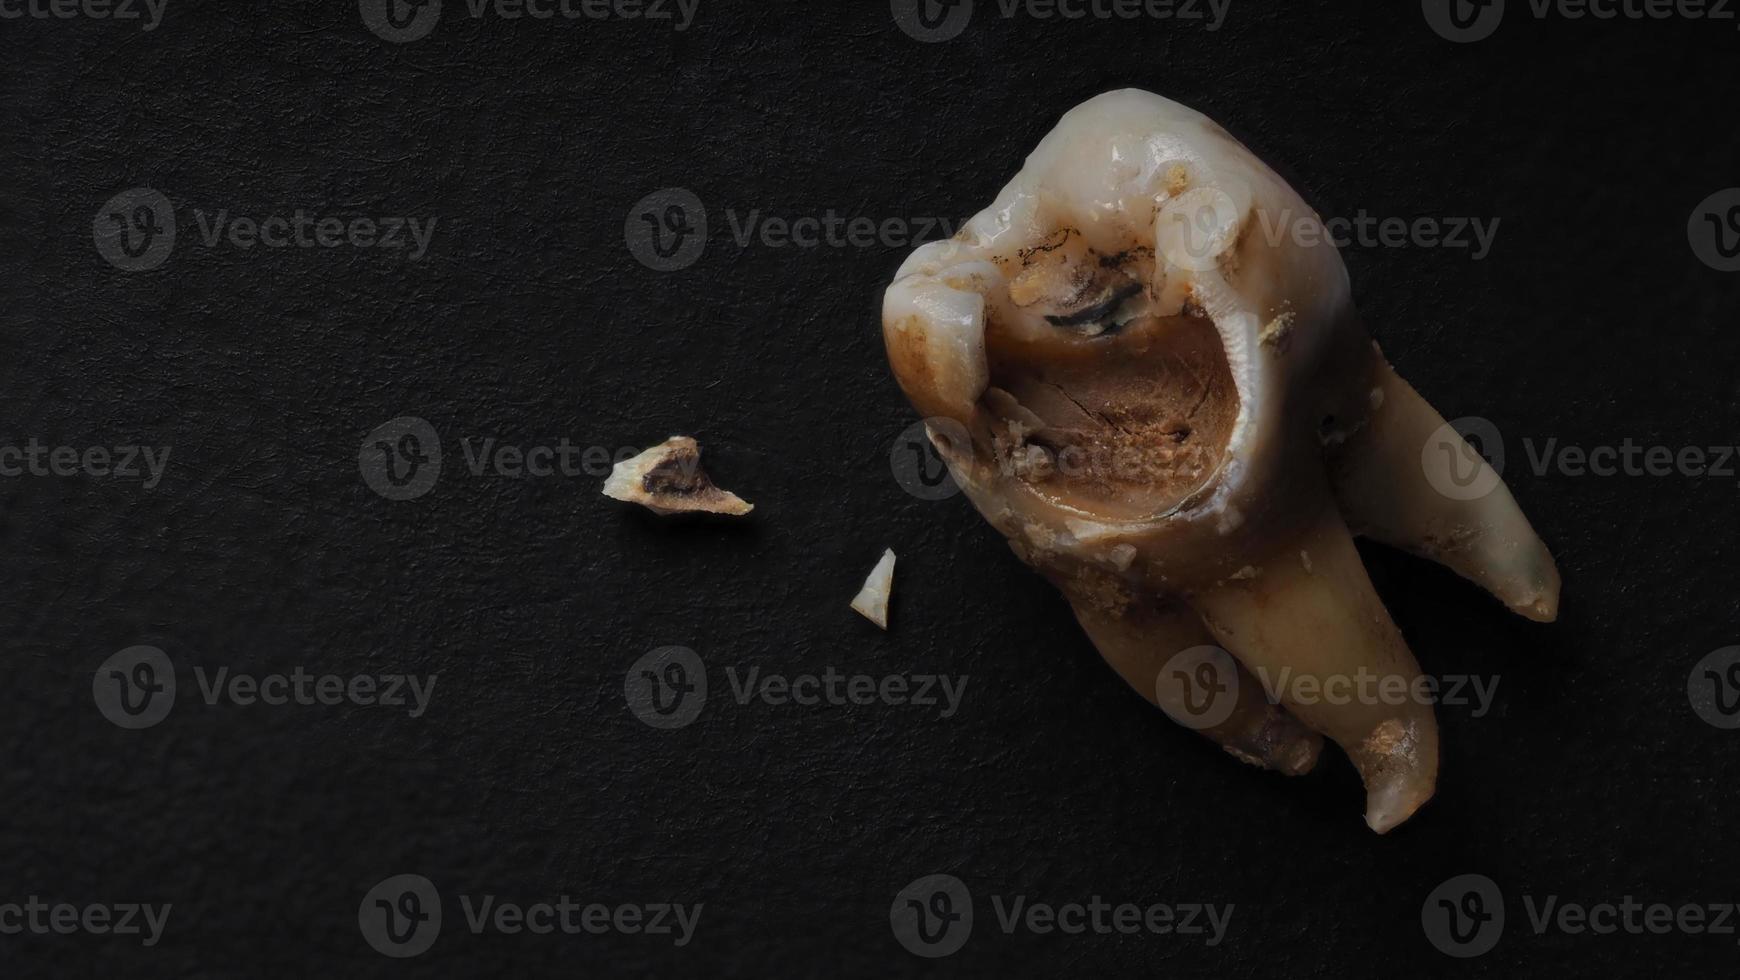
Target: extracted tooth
[
  {"x": 872, "y": 599},
  {"x": 1178, "y": 418},
  {"x": 668, "y": 479}
]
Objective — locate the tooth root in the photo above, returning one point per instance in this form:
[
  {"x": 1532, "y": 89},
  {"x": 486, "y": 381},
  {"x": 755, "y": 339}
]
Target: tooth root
[
  {"x": 1305, "y": 622},
  {"x": 1149, "y": 644},
  {"x": 1393, "y": 476}
]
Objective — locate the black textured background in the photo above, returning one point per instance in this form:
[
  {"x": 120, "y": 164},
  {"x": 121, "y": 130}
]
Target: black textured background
[{"x": 529, "y": 321}]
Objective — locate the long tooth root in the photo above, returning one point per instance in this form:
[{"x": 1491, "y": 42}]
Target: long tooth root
[
  {"x": 1162, "y": 650},
  {"x": 1317, "y": 636},
  {"x": 1408, "y": 479}
]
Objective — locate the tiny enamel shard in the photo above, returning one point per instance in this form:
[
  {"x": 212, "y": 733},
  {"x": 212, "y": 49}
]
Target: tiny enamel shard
[
  {"x": 872, "y": 600},
  {"x": 1143, "y": 365},
  {"x": 668, "y": 479}
]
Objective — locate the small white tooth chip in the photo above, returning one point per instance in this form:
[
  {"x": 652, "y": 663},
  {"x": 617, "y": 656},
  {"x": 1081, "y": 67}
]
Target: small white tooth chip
[
  {"x": 872, "y": 601},
  {"x": 668, "y": 479}
]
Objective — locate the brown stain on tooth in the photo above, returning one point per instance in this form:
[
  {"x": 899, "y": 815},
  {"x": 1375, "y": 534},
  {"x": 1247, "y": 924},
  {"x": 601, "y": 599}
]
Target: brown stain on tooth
[{"x": 668, "y": 479}]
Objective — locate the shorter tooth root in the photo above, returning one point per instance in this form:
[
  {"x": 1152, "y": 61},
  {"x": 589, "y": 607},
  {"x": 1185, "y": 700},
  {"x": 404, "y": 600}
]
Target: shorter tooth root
[
  {"x": 1163, "y": 651},
  {"x": 1317, "y": 636},
  {"x": 1409, "y": 480}
]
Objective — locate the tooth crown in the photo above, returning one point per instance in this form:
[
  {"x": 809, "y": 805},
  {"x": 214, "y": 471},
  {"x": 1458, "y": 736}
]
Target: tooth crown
[
  {"x": 1198, "y": 224},
  {"x": 1143, "y": 365}
]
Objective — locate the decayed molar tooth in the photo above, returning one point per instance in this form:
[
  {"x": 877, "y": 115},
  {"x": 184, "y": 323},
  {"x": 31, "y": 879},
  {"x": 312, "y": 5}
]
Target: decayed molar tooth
[
  {"x": 1146, "y": 387},
  {"x": 668, "y": 479},
  {"x": 1407, "y": 479}
]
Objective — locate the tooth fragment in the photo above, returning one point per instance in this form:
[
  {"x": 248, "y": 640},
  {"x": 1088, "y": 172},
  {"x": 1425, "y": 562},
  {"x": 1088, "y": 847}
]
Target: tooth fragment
[
  {"x": 872, "y": 599},
  {"x": 1179, "y": 420},
  {"x": 668, "y": 479}
]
